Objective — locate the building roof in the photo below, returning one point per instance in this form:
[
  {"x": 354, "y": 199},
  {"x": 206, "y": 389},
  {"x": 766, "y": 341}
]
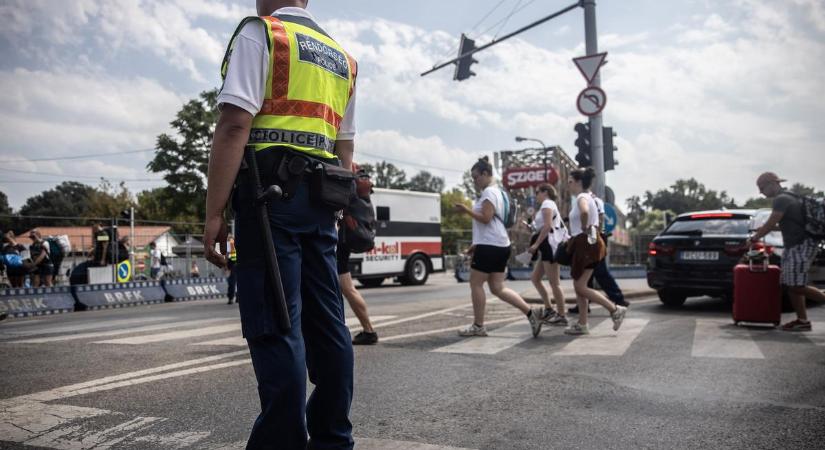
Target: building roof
[{"x": 81, "y": 237}]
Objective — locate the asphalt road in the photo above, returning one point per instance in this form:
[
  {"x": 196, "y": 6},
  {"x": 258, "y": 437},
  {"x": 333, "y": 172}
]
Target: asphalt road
[{"x": 178, "y": 376}]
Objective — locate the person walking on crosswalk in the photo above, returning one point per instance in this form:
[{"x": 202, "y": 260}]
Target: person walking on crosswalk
[
  {"x": 550, "y": 232},
  {"x": 587, "y": 249},
  {"x": 490, "y": 251}
]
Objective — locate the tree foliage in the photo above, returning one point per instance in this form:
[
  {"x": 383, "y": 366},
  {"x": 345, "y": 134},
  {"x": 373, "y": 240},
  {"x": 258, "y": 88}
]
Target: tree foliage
[
  {"x": 108, "y": 200},
  {"x": 184, "y": 159},
  {"x": 68, "y": 199},
  {"x": 425, "y": 182},
  {"x": 5, "y": 222},
  {"x": 454, "y": 226},
  {"x": 387, "y": 175},
  {"x": 687, "y": 195}
]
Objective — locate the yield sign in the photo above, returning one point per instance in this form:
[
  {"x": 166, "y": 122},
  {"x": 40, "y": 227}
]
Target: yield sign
[{"x": 589, "y": 65}]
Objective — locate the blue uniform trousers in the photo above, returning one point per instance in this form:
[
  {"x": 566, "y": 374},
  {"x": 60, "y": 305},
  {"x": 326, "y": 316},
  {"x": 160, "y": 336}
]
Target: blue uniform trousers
[
  {"x": 606, "y": 281},
  {"x": 230, "y": 281},
  {"x": 319, "y": 342}
]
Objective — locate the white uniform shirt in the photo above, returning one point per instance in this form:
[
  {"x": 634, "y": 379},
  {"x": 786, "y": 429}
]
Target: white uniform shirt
[
  {"x": 155, "y": 258},
  {"x": 492, "y": 233},
  {"x": 576, "y": 214},
  {"x": 248, "y": 68}
]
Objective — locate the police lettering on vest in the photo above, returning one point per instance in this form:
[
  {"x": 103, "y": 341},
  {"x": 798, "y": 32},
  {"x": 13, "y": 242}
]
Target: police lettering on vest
[{"x": 295, "y": 114}]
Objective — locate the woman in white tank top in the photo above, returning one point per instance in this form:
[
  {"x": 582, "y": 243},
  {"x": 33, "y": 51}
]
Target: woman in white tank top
[
  {"x": 587, "y": 249},
  {"x": 549, "y": 231}
]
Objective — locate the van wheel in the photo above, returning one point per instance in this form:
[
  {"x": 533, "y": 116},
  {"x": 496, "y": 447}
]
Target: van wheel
[
  {"x": 672, "y": 298},
  {"x": 370, "y": 282},
  {"x": 417, "y": 271}
]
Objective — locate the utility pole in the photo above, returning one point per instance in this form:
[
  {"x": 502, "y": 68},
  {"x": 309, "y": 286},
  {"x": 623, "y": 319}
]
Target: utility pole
[
  {"x": 596, "y": 138},
  {"x": 132, "y": 238}
]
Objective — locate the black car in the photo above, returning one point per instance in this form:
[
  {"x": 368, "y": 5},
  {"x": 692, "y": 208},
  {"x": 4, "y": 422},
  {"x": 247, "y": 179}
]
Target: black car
[{"x": 696, "y": 253}]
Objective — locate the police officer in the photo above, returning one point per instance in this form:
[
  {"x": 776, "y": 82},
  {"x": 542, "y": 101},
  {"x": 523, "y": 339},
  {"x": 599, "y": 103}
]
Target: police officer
[{"x": 288, "y": 93}]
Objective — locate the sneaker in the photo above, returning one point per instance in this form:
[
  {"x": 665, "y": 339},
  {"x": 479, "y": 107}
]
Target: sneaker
[
  {"x": 558, "y": 321},
  {"x": 797, "y": 325},
  {"x": 535, "y": 319},
  {"x": 365, "y": 338},
  {"x": 622, "y": 303},
  {"x": 473, "y": 330},
  {"x": 548, "y": 315},
  {"x": 577, "y": 329},
  {"x": 618, "y": 317}
]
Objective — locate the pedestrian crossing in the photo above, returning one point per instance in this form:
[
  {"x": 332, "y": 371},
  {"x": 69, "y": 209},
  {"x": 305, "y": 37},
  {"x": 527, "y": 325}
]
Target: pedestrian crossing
[{"x": 710, "y": 337}]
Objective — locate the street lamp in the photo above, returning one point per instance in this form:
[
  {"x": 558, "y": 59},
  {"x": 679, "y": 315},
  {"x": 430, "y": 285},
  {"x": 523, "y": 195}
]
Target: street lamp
[{"x": 543, "y": 149}]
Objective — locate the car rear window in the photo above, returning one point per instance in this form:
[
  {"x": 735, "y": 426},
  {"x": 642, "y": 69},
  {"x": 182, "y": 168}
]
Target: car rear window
[{"x": 732, "y": 225}]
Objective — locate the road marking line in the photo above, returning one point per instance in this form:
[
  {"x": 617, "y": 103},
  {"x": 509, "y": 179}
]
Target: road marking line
[
  {"x": 235, "y": 341},
  {"x": 69, "y": 391},
  {"x": 496, "y": 341},
  {"x": 603, "y": 341},
  {"x": 173, "y": 335},
  {"x": 716, "y": 338},
  {"x": 163, "y": 326},
  {"x": 817, "y": 333},
  {"x": 453, "y": 328},
  {"x": 385, "y": 444},
  {"x": 177, "y": 440},
  {"x": 352, "y": 322},
  {"x": 421, "y": 316},
  {"x": 88, "y": 326}
]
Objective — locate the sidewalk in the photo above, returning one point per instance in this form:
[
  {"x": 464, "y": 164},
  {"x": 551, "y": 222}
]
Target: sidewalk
[{"x": 631, "y": 287}]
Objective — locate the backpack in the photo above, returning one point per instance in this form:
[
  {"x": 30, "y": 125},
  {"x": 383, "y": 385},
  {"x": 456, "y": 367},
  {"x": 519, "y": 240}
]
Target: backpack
[
  {"x": 358, "y": 225},
  {"x": 510, "y": 212},
  {"x": 12, "y": 260},
  {"x": 55, "y": 250},
  {"x": 813, "y": 215},
  {"x": 163, "y": 261}
]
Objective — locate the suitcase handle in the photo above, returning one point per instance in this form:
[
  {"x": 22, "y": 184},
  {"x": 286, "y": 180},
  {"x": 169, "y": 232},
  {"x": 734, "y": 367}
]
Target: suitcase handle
[{"x": 751, "y": 257}]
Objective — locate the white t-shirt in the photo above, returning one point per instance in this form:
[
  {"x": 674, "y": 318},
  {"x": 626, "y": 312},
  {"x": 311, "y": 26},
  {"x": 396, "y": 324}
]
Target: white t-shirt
[
  {"x": 248, "y": 69},
  {"x": 155, "y": 258},
  {"x": 538, "y": 220},
  {"x": 576, "y": 214},
  {"x": 492, "y": 233},
  {"x": 558, "y": 233}
]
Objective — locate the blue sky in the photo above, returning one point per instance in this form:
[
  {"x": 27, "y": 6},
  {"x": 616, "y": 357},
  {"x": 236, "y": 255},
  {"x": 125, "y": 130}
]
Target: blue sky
[{"x": 720, "y": 91}]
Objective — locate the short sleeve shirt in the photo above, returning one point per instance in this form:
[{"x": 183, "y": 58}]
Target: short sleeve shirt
[
  {"x": 792, "y": 223},
  {"x": 538, "y": 220},
  {"x": 492, "y": 233},
  {"x": 576, "y": 214},
  {"x": 248, "y": 68}
]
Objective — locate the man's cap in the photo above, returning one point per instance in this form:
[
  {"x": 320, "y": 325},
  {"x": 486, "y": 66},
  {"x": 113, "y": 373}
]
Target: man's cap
[{"x": 768, "y": 177}]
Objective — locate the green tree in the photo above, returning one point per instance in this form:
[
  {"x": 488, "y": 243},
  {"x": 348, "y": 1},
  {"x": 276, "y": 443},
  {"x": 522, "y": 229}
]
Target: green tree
[
  {"x": 635, "y": 210},
  {"x": 796, "y": 188},
  {"x": 68, "y": 199},
  {"x": 653, "y": 221},
  {"x": 184, "y": 160},
  {"x": 387, "y": 175},
  {"x": 467, "y": 186},
  {"x": 455, "y": 227},
  {"x": 108, "y": 200},
  {"x": 5, "y": 222},
  {"x": 425, "y": 182},
  {"x": 687, "y": 195}
]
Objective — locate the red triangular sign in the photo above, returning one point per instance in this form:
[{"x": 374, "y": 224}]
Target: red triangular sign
[{"x": 589, "y": 65}]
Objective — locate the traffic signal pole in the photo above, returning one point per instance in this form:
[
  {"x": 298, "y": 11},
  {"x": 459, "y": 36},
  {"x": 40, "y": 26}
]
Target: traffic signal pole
[{"x": 596, "y": 138}]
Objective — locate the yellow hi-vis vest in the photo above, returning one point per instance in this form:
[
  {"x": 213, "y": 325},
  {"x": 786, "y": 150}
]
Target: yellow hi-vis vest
[{"x": 308, "y": 86}]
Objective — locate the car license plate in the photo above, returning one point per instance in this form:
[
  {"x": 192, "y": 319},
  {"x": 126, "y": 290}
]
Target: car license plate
[{"x": 700, "y": 256}]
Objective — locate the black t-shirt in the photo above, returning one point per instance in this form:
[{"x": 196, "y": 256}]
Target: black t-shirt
[{"x": 793, "y": 219}]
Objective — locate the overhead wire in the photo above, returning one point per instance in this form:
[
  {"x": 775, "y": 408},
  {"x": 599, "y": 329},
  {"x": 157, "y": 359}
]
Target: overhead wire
[
  {"x": 473, "y": 29},
  {"x": 62, "y": 175},
  {"x": 86, "y": 156},
  {"x": 507, "y": 19}
]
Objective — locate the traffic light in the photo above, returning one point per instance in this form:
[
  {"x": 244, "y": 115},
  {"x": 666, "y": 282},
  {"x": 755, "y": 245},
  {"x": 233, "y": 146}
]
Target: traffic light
[
  {"x": 462, "y": 66},
  {"x": 610, "y": 162},
  {"x": 583, "y": 156}
]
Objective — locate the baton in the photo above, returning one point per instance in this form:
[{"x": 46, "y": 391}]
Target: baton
[{"x": 273, "y": 274}]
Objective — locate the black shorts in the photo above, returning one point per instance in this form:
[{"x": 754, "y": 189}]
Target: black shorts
[
  {"x": 545, "y": 251},
  {"x": 490, "y": 259},
  {"x": 342, "y": 255}
]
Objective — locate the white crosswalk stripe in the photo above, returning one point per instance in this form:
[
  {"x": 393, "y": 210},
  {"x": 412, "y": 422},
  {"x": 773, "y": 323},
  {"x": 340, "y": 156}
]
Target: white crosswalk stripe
[
  {"x": 720, "y": 338},
  {"x": 85, "y": 326},
  {"x": 175, "y": 335},
  {"x": 496, "y": 341},
  {"x": 817, "y": 334},
  {"x": 97, "y": 334},
  {"x": 603, "y": 341}
]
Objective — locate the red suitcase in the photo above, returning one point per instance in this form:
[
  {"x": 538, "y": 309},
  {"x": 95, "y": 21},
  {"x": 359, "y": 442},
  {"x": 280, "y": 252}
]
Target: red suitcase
[{"x": 757, "y": 293}]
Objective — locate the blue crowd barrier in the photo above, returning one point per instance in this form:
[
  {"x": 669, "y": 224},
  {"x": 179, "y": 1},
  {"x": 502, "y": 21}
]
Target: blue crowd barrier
[
  {"x": 100, "y": 296},
  {"x": 36, "y": 301},
  {"x": 195, "y": 288}
]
